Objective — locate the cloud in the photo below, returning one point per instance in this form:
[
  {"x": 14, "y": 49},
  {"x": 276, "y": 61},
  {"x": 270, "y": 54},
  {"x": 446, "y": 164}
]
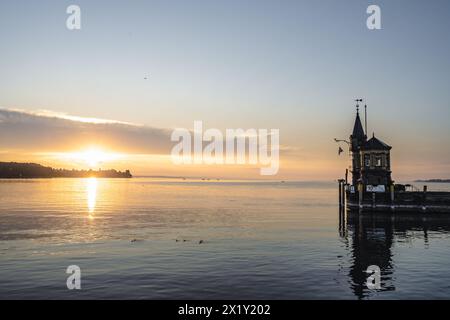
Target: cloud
[{"x": 46, "y": 131}]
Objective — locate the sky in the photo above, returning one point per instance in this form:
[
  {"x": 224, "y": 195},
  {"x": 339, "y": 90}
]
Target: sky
[{"x": 297, "y": 66}]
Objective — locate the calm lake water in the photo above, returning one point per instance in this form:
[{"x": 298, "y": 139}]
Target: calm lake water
[{"x": 140, "y": 239}]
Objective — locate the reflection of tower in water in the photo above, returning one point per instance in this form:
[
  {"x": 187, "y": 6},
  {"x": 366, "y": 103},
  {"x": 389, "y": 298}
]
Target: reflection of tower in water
[
  {"x": 371, "y": 237},
  {"x": 371, "y": 243}
]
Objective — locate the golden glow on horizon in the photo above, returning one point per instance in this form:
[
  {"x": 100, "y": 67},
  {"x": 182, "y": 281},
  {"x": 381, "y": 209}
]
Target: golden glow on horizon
[{"x": 92, "y": 157}]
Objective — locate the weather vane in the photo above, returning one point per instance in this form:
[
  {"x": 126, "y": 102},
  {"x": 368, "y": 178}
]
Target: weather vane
[{"x": 357, "y": 103}]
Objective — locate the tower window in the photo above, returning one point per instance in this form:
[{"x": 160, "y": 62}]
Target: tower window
[
  {"x": 367, "y": 160},
  {"x": 378, "y": 161}
]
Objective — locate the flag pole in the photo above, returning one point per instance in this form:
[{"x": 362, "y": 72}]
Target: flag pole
[{"x": 365, "y": 116}]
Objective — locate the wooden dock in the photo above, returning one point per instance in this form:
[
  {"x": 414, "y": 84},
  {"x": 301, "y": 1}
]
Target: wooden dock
[{"x": 393, "y": 201}]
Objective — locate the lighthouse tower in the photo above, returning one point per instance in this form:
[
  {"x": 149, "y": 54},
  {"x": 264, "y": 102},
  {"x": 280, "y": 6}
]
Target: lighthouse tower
[{"x": 371, "y": 159}]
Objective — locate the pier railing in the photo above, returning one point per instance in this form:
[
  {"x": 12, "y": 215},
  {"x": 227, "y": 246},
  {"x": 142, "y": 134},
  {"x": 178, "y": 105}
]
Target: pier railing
[{"x": 417, "y": 201}]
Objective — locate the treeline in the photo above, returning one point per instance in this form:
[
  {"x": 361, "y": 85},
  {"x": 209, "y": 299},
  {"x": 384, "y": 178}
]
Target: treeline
[{"x": 15, "y": 170}]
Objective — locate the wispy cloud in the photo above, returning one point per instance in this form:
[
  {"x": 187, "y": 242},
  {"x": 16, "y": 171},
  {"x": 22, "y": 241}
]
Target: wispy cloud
[{"x": 43, "y": 131}]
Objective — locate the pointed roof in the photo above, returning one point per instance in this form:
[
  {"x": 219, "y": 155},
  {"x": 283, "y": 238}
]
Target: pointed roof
[
  {"x": 358, "y": 131},
  {"x": 376, "y": 144}
]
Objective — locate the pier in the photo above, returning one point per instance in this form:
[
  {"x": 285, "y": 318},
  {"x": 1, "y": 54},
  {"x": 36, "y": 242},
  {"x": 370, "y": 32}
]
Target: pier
[{"x": 393, "y": 201}]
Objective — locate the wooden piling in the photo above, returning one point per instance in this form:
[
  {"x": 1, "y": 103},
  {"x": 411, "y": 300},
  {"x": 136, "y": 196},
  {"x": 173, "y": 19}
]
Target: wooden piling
[
  {"x": 373, "y": 200},
  {"x": 392, "y": 189},
  {"x": 424, "y": 200},
  {"x": 340, "y": 193},
  {"x": 360, "y": 195}
]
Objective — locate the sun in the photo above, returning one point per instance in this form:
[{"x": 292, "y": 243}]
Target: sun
[{"x": 92, "y": 157}]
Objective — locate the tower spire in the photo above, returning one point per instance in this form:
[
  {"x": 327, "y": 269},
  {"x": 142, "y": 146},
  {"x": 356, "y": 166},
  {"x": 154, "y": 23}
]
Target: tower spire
[
  {"x": 357, "y": 140},
  {"x": 358, "y": 131}
]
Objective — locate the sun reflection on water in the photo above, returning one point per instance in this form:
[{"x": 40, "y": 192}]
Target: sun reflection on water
[{"x": 91, "y": 189}]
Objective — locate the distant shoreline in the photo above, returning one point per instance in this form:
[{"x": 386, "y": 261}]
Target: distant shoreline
[
  {"x": 16, "y": 170},
  {"x": 434, "y": 180}
]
